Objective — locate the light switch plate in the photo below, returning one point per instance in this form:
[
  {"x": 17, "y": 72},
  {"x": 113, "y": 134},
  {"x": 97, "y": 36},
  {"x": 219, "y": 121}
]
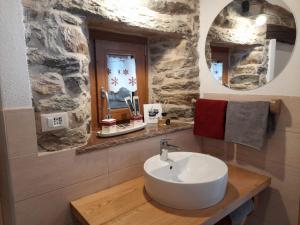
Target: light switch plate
[{"x": 54, "y": 121}]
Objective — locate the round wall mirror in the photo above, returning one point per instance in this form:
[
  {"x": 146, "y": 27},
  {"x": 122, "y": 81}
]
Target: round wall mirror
[{"x": 250, "y": 42}]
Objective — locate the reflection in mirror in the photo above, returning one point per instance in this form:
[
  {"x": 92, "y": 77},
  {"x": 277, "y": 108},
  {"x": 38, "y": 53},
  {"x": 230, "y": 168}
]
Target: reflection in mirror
[{"x": 250, "y": 42}]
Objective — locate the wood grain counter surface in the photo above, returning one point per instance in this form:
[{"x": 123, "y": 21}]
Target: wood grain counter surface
[{"x": 129, "y": 204}]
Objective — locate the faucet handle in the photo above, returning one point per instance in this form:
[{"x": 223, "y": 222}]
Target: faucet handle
[
  {"x": 165, "y": 139},
  {"x": 164, "y": 142}
]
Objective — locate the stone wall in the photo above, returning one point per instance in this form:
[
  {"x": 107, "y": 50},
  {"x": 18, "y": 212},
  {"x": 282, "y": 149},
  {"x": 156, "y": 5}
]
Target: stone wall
[
  {"x": 248, "y": 67},
  {"x": 58, "y": 56},
  {"x": 247, "y": 42}
]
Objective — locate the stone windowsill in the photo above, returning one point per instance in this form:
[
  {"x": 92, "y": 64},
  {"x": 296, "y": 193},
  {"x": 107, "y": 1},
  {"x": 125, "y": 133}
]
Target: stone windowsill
[{"x": 150, "y": 131}]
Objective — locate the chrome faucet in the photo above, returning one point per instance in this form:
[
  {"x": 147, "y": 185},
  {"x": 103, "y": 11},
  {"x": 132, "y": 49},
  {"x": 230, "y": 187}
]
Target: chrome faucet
[
  {"x": 165, "y": 148},
  {"x": 104, "y": 95}
]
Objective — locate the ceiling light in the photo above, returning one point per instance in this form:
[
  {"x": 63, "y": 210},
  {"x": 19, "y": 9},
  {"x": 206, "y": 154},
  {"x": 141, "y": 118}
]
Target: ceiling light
[
  {"x": 261, "y": 20},
  {"x": 245, "y": 6}
]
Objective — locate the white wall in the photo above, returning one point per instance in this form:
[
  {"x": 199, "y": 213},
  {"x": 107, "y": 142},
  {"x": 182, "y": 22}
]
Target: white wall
[
  {"x": 15, "y": 89},
  {"x": 284, "y": 52},
  {"x": 280, "y": 3},
  {"x": 286, "y": 84}
]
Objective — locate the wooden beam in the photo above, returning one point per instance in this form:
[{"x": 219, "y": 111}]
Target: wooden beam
[
  {"x": 106, "y": 35},
  {"x": 281, "y": 33},
  {"x": 299, "y": 213}
]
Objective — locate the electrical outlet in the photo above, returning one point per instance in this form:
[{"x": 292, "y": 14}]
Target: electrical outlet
[{"x": 54, "y": 121}]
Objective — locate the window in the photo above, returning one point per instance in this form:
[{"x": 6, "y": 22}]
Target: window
[
  {"x": 121, "y": 72},
  {"x": 217, "y": 70},
  {"x": 220, "y": 63},
  {"x": 119, "y": 66}
]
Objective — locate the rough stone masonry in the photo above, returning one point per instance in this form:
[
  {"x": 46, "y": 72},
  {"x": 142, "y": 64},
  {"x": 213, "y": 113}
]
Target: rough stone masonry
[{"x": 58, "y": 56}]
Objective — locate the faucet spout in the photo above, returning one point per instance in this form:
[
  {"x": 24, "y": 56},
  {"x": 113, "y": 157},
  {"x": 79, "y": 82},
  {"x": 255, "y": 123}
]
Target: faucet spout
[{"x": 165, "y": 148}]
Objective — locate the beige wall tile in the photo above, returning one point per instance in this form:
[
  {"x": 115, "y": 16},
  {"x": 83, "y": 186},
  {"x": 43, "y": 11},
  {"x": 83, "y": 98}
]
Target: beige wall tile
[
  {"x": 277, "y": 208},
  {"x": 214, "y": 147},
  {"x": 125, "y": 174},
  {"x": 279, "y": 159},
  {"x": 34, "y": 175},
  {"x": 20, "y": 132},
  {"x": 287, "y": 195},
  {"x": 252, "y": 219},
  {"x": 217, "y": 148},
  {"x": 252, "y": 157},
  {"x": 149, "y": 151},
  {"x": 6, "y": 199},
  {"x": 53, "y": 208},
  {"x": 289, "y": 115},
  {"x": 260, "y": 160},
  {"x": 1, "y": 221},
  {"x": 284, "y": 147},
  {"x": 127, "y": 155},
  {"x": 124, "y": 156},
  {"x": 279, "y": 204},
  {"x": 45, "y": 181},
  {"x": 126, "y": 161},
  {"x": 186, "y": 140},
  {"x": 285, "y": 179}
]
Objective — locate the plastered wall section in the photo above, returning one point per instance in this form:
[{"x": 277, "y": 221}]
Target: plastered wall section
[
  {"x": 14, "y": 78},
  {"x": 14, "y": 90}
]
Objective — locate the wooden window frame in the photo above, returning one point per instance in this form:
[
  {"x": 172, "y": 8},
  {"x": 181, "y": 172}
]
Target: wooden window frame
[
  {"x": 95, "y": 90},
  {"x": 222, "y": 54}
]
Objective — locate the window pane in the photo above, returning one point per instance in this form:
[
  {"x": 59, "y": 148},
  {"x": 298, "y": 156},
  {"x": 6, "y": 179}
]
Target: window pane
[
  {"x": 217, "y": 70},
  {"x": 121, "y": 71}
]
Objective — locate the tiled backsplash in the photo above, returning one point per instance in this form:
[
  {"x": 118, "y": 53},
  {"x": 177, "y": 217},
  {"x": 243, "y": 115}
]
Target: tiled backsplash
[{"x": 48, "y": 183}]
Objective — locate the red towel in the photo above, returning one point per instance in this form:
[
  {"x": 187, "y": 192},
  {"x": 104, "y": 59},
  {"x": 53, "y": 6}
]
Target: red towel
[{"x": 210, "y": 118}]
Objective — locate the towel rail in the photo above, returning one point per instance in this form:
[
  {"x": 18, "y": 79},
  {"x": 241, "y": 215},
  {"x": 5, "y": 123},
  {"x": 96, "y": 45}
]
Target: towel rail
[{"x": 275, "y": 105}]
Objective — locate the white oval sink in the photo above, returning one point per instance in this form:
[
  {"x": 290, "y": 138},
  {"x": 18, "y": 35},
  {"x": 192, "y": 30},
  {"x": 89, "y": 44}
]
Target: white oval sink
[{"x": 188, "y": 181}]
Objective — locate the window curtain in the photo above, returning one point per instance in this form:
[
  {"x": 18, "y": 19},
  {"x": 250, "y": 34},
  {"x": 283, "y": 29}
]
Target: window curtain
[{"x": 121, "y": 73}]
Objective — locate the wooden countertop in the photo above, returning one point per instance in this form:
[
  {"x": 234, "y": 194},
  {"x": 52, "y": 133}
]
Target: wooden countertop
[{"x": 129, "y": 204}]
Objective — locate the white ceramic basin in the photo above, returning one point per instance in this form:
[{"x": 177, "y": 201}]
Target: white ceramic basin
[{"x": 189, "y": 181}]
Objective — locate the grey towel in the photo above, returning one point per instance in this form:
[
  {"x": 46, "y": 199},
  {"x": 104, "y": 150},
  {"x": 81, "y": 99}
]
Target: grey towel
[{"x": 246, "y": 123}]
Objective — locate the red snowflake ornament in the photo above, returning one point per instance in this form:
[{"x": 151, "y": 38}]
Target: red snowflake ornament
[
  {"x": 114, "y": 81},
  {"x": 132, "y": 81},
  {"x": 125, "y": 72}
]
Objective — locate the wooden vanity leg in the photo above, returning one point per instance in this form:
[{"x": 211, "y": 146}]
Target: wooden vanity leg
[
  {"x": 244, "y": 221},
  {"x": 256, "y": 202},
  {"x": 75, "y": 221},
  {"x": 299, "y": 214}
]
